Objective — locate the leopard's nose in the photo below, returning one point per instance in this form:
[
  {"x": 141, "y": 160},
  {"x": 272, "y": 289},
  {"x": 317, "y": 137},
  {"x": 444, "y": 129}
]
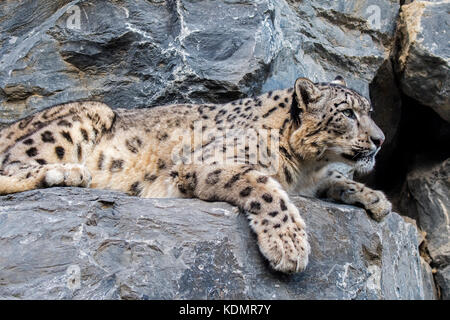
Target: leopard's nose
[
  {"x": 376, "y": 134},
  {"x": 377, "y": 141}
]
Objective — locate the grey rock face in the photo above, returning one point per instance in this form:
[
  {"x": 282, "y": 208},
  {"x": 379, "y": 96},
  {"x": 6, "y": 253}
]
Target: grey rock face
[
  {"x": 424, "y": 57},
  {"x": 443, "y": 280},
  {"x": 69, "y": 243},
  {"x": 430, "y": 292},
  {"x": 429, "y": 187},
  {"x": 145, "y": 53}
]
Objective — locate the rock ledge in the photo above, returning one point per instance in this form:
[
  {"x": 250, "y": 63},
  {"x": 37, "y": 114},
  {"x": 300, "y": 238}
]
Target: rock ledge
[{"x": 71, "y": 243}]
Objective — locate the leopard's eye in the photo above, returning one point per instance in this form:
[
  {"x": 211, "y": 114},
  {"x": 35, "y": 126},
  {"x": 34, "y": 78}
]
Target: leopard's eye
[{"x": 349, "y": 113}]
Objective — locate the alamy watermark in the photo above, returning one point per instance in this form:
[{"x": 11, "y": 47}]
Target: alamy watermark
[
  {"x": 374, "y": 18},
  {"x": 74, "y": 20}
]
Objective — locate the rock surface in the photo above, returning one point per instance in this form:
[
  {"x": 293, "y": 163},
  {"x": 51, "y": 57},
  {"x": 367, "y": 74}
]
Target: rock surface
[
  {"x": 424, "y": 56},
  {"x": 443, "y": 280},
  {"x": 69, "y": 243},
  {"x": 145, "y": 53},
  {"x": 429, "y": 203},
  {"x": 430, "y": 189},
  {"x": 429, "y": 287}
]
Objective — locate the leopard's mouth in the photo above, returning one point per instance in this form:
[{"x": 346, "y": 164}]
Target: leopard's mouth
[
  {"x": 358, "y": 156},
  {"x": 363, "y": 161}
]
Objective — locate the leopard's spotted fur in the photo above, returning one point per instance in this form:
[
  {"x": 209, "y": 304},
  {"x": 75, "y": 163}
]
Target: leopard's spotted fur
[{"x": 322, "y": 129}]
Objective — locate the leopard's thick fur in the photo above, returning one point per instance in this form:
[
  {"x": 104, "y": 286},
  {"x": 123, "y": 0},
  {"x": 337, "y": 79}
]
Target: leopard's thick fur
[{"x": 320, "y": 129}]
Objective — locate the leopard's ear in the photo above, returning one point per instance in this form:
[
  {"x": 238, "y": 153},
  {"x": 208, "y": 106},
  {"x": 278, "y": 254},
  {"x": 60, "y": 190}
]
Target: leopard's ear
[
  {"x": 340, "y": 81},
  {"x": 307, "y": 93}
]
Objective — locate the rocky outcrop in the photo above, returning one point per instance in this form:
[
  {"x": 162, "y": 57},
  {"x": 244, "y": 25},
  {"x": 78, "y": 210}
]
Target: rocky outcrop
[
  {"x": 443, "y": 280},
  {"x": 69, "y": 243},
  {"x": 427, "y": 200},
  {"x": 430, "y": 190},
  {"x": 423, "y": 60},
  {"x": 429, "y": 285},
  {"x": 146, "y": 53}
]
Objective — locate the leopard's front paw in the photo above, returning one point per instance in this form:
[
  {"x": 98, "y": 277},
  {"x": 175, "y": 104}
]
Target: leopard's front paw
[
  {"x": 285, "y": 245},
  {"x": 378, "y": 205},
  {"x": 70, "y": 175}
]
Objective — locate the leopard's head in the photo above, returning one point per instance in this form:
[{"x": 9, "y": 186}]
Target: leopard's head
[{"x": 333, "y": 122}]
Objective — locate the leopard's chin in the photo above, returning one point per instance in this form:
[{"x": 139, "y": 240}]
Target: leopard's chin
[{"x": 364, "y": 165}]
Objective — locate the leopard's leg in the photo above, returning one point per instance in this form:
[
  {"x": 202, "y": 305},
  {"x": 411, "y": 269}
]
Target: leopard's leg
[
  {"x": 276, "y": 221},
  {"x": 340, "y": 188},
  {"x": 27, "y": 177}
]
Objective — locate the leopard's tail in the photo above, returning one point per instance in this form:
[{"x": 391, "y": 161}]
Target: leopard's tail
[{"x": 14, "y": 184}]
